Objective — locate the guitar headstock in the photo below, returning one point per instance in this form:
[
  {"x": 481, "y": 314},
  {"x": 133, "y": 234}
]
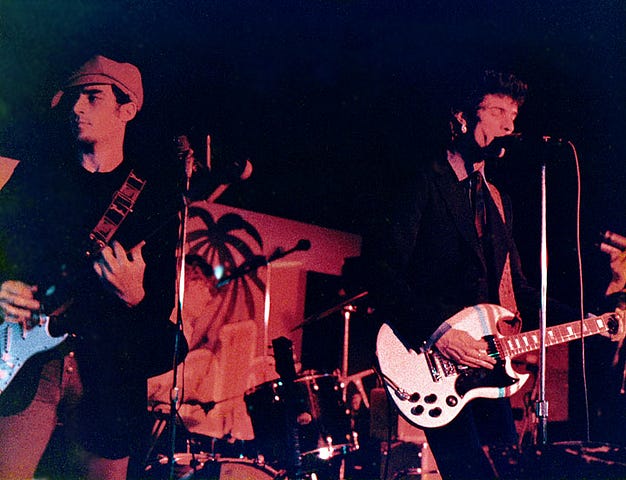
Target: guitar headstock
[{"x": 615, "y": 325}]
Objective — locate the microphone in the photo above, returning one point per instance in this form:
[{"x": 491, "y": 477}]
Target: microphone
[
  {"x": 234, "y": 172},
  {"x": 258, "y": 261},
  {"x": 547, "y": 140},
  {"x": 184, "y": 153},
  {"x": 304, "y": 245},
  {"x": 221, "y": 180},
  {"x": 209, "y": 181},
  {"x": 612, "y": 242}
]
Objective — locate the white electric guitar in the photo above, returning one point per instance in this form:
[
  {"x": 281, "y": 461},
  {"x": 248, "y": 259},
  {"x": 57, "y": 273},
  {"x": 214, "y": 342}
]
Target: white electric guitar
[
  {"x": 431, "y": 390},
  {"x": 18, "y": 344}
]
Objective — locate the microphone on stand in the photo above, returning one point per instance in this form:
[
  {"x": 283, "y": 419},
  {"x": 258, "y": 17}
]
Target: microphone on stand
[
  {"x": 185, "y": 154},
  {"x": 258, "y": 261},
  {"x": 209, "y": 180},
  {"x": 232, "y": 173},
  {"x": 302, "y": 246},
  {"x": 547, "y": 140}
]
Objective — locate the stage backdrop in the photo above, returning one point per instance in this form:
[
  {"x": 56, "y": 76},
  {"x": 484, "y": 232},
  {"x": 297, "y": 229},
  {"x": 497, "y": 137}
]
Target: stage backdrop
[{"x": 230, "y": 328}]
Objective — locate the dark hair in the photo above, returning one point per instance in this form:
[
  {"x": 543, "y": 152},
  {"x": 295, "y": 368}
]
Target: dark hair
[
  {"x": 120, "y": 96},
  {"x": 496, "y": 83}
]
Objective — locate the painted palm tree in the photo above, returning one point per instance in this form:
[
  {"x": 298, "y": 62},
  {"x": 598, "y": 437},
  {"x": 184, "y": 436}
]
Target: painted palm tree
[{"x": 220, "y": 242}]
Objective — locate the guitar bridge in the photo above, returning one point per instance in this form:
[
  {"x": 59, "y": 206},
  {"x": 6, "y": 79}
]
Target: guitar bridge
[{"x": 439, "y": 366}]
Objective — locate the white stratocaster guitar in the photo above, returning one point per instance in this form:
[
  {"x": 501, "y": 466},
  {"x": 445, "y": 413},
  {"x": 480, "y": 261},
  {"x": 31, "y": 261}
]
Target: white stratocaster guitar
[
  {"x": 431, "y": 390},
  {"x": 18, "y": 344}
]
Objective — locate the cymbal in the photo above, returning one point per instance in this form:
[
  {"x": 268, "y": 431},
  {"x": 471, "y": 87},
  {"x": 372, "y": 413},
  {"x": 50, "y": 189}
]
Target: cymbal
[{"x": 330, "y": 311}]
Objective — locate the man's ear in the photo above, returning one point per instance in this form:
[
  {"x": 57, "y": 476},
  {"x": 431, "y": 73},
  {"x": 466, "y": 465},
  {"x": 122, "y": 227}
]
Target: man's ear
[
  {"x": 462, "y": 122},
  {"x": 128, "y": 111},
  {"x": 460, "y": 117}
]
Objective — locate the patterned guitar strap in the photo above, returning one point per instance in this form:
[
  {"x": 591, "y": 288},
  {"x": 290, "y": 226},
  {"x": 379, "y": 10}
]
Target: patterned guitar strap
[{"x": 121, "y": 205}]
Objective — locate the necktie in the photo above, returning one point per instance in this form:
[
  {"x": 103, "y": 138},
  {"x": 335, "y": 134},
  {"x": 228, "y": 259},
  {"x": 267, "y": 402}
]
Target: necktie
[
  {"x": 505, "y": 287},
  {"x": 477, "y": 198}
]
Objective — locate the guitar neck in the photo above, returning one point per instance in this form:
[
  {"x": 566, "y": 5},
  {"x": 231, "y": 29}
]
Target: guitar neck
[{"x": 514, "y": 345}]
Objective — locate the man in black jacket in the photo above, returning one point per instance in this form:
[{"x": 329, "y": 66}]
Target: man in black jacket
[
  {"x": 449, "y": 245},
  {"x": 115, "y": 298}
]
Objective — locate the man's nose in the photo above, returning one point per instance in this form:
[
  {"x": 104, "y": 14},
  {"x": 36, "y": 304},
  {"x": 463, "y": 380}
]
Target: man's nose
[
  {"x": 79, "y": 105},
  {"x": 508, "y": 125}
]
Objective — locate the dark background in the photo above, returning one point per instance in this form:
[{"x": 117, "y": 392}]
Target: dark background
[{"x": 334, "y": 102}]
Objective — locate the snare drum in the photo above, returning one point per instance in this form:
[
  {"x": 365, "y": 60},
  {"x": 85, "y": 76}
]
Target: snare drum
[
  {"x": 309, "y": 408},
  {"x": 186, "y": 465}
]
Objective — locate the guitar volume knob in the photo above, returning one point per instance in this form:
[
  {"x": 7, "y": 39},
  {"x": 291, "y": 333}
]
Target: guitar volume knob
[
  {"x": 432, "y": 398},
  {"x": 417, "y": 410},
  {"x": 414, "y": 398},
  {"x": 435, "y": 412}
]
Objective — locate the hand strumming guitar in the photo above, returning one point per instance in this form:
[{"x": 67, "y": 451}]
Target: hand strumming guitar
[
  {"x": 461, "y": 347},
  {"x": 18, "y": 303}
]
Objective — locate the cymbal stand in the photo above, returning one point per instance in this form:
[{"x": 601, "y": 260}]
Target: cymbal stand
[{"x": 348, "y": 310}]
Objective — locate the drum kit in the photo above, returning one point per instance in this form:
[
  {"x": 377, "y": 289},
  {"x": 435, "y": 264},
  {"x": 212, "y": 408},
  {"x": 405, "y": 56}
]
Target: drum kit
[{"x": 303, "y": 428}]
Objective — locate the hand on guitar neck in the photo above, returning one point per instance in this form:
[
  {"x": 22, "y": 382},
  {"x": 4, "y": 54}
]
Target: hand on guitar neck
[{"x": 122, "y": 273}]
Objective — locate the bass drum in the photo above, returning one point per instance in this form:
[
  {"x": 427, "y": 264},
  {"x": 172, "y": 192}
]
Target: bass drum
[{"x": 236, "y": 469}]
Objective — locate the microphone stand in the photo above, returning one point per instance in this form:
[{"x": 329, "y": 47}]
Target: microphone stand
[
  {"x": 183, "y": 149},
  {"x": 259, "y": 261},
  {"x": 541, "y": 407},
  {"x": 282, "y": 353}
]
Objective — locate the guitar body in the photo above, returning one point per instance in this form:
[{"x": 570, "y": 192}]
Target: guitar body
[
  {"x": 16, "y": 347},
  {"x": 430, "y": 390}
]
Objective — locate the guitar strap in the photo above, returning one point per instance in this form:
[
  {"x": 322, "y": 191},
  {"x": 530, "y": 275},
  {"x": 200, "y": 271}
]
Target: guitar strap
[{"x": 121, "y": 205}]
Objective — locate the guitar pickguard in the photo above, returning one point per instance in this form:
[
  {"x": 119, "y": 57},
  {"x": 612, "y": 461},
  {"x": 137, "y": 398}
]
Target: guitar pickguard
[
  {"x": 472, "y": 378},
  {"x": 17, "y": 346}
]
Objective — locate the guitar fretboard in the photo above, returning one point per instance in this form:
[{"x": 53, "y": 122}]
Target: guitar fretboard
[{"x": 514, "y": 345}]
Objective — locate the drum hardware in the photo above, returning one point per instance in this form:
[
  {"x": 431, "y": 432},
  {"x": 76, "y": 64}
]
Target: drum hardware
[
  {"x": 337, "y": 308},
  {"x": 162, "y": 421},
  {"x": 357, "y": 380},
  {"x": 214, "y": 469},
  {"x": 211, "y": 404},
  {"x": 322, "y": 423},
  {"x": 347, "y": 307}
]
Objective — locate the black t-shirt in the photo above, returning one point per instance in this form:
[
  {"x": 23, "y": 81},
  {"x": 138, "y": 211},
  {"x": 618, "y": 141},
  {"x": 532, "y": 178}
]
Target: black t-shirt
[{"x": 46, "y": 215}]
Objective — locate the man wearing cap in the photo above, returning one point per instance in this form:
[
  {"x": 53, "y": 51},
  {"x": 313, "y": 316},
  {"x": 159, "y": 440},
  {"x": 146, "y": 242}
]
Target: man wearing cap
[{"x": 115, "y": 301}]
